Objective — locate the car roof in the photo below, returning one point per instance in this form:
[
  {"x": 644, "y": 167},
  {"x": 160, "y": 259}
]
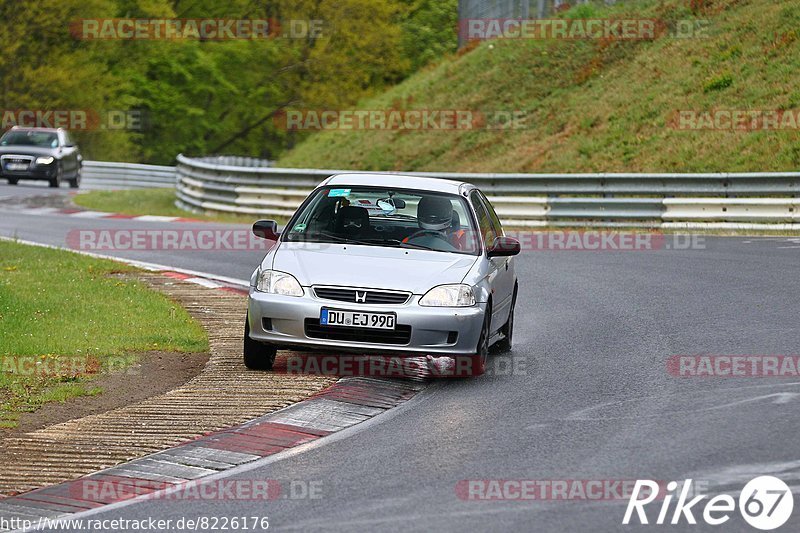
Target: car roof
[
  {"x": 33, "y": 128},
  {"x": 399, "y": 181}
]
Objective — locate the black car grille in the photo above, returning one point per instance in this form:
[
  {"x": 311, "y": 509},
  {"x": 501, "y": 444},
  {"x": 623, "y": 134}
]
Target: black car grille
[
  {"x": 366, "y": 296},
  {"x": 16, "y": 160},
  {"x": 400, "y": 335}
]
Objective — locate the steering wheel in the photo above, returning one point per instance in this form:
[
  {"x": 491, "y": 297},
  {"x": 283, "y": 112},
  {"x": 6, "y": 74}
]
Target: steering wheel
[{"x": 431, "y": 232}]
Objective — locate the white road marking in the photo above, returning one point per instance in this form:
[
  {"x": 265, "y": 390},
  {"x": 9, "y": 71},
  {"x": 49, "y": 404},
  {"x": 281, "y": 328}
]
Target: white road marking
[
  {"x": 594, "y": 413},
  {"x": 141, "y": 264},
  {"x": 155, "y": 218},
  {"x": 40, "y": 210},
  {"x": 424, "y": 395},
  {"x": 204, "y": 282},
  {"x": 91, "y": 214}
]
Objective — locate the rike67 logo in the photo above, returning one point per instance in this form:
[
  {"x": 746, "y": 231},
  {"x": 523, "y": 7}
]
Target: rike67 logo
[{"x": 765, "y": 503}]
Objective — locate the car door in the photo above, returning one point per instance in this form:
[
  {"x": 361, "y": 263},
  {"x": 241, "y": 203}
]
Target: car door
[
  {"x": 496, "y": 265},
  {"x": 506, "y": 278}
]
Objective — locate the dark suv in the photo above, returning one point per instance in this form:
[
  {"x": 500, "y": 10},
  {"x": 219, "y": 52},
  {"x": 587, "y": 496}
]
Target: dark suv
[{"x": 39, "y": 154}]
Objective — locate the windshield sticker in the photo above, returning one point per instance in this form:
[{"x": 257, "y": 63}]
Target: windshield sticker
[
  {"x": 335, "y": 193},
  {"x": 300, "y": 227}
]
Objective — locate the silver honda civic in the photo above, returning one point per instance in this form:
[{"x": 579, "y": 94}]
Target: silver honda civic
[{"x": 385, "y": 264}]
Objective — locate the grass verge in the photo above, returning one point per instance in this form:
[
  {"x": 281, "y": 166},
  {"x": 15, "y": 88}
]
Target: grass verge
[
  {"x": 597, "y": 105},
  {"x": 65, "y": 318},
  {"x": 148, "y": 202}
]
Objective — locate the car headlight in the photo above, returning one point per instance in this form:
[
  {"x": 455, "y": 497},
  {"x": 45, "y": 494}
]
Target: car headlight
[
  {"x": 449, "y": 296},
  {"x": 274, "y": 282},
  {"x": 44, "y": 160}
]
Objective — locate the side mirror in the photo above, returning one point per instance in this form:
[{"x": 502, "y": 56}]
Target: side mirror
[
  {"x": 266, "y": 229},
  {"x": 504, "y": 247}
]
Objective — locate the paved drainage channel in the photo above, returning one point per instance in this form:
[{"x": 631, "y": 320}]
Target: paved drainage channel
[
  {"x": 356, "y": 400},
  {"x": 174, "y": 439}
]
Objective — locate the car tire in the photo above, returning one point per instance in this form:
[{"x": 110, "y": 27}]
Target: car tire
[
  {"x": 76, "y": 181},
  {"x": 12, "y": 181},
  {"x": 504, "y": 345},
  {"x": 55, "y": 181},
  {"x": 257, "y": 355},
  {"x": 478, "y": 367}
]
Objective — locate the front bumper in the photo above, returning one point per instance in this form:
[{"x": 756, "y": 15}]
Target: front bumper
[
  {"x": 34, "y": 172},
  {"x": 432, "y": 328}
]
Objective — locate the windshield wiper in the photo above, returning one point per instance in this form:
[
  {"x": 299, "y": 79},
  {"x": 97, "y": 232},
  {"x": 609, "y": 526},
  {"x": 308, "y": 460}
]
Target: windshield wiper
[
  {"x": 372, "y": 241},
  {"x": 351, "y": 240},
  {"x": 419, "y": 246}
]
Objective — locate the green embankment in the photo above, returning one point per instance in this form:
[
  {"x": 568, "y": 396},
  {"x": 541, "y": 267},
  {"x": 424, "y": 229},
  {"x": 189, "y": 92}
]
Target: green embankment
[{"x": 597, "y": 106}]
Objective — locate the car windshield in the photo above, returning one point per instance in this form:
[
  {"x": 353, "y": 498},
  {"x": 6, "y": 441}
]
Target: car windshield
[
  {"x": 42, "y": 139},
  {"x": 374, "y": 216}
]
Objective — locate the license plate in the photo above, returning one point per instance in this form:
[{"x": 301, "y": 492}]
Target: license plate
[
  {"x": 354, "y": 319},
  {"x": 16, "y": 166}
]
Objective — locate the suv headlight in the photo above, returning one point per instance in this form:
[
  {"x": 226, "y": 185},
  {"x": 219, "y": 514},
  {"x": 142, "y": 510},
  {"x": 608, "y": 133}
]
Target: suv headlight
[
  {"x": 44, "y": 160},
  {"x": 274, "y": 282},
  {"x": 449, "y": 296}
]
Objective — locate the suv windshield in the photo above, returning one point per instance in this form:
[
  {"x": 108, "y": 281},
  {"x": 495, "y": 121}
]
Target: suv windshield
[
  {"x": 42, "y": 139},
  {"x": 374, "y": 216}
]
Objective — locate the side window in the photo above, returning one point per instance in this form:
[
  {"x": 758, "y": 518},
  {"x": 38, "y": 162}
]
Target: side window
[
  {"x": 492, "y": 215},
  {"x": 484, "y": 222}
]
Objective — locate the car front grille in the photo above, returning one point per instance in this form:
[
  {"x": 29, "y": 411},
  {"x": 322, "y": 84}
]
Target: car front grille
[
  {"x": 399, "y": 336},
  {"x": 16, "y": 160},
  {"x": 365, "y": 296}
]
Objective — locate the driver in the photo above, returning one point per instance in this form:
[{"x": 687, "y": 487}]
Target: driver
[{"x": 436, "y": 219}]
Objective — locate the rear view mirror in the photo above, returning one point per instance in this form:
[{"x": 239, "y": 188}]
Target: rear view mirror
[
  {"x": 390, "y": 205},
  {"x": 386, "y": 206},
  {"x": 266, "y": 229},
  {"x": 504, "y": 247}
]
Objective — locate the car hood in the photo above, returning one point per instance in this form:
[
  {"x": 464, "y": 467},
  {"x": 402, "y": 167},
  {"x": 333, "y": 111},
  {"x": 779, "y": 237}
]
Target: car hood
[
  {"x": 27, "y": 150},
  {"x": 371, "y": 266}
]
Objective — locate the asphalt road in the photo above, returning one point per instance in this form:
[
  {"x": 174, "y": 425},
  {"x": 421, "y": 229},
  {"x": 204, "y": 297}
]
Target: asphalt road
[
  {"x": 590, "y": 397},
  {"x": 55, "y": 230}
]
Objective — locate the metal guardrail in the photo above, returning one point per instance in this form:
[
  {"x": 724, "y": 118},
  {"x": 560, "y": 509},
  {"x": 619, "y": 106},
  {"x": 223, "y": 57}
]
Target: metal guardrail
[
  {"x": 726, "y": 200},
  {"x": 110, "y": 175}
]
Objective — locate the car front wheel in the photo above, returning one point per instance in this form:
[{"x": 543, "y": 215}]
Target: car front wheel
[
  {"x": 257, "y": 355},
  {"x": 478, "y": 361},
  {"x": 504, "y": 345},
  {"x": 76, "y": 181},
  {"x": 55, "y": 181},
  {"x": 12, "y": 181}
]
